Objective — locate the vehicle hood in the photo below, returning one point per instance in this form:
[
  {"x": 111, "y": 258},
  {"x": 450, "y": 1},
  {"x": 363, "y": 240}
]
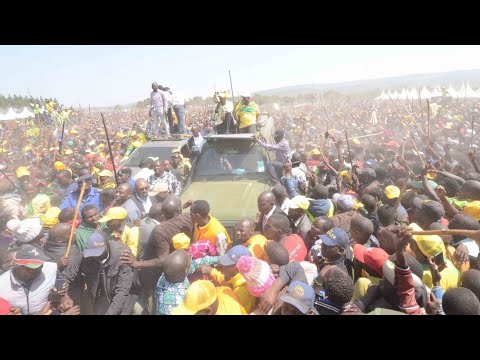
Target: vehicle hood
[{"x": 229, "y": 200}]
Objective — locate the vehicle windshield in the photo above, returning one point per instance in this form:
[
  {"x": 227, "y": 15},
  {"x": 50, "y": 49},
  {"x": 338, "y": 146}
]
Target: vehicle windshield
[
  {"x": 236, "y": 158},
  {"x": 163, "y": 153}
]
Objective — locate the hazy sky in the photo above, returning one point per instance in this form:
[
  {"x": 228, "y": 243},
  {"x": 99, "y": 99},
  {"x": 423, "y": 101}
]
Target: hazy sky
[{"x": 109, "y": 75}]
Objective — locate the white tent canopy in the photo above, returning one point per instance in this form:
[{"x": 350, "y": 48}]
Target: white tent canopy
[
  {"x": 13, "y": 115},
  {"x": 423, "y": 92}
]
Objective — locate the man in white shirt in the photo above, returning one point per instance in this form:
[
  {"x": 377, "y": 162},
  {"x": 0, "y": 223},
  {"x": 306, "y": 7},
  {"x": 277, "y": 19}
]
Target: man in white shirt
[
  {"x": 169, "y": 99},
  {"x": 27, "y": 285},
  {"x": 178, "y": 102},
  {"x": 223, "y": 114}
]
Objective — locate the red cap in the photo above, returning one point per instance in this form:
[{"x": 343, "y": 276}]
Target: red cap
[{"x": 374, "y": 258}]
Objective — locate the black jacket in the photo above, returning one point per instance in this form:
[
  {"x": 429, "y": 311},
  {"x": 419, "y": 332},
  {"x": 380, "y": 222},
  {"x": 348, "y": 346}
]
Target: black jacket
[
  {"x": 259, "y": 226},
  {"x": 118, "y": 280}
]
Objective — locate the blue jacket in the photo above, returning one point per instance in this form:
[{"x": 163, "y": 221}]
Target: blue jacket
[
  {"x": 92, "y": 197},
  {"x": 291, "y": 185}
]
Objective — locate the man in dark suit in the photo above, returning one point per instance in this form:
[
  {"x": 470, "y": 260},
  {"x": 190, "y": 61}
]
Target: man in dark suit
[
  {"x": 266, "y": 207},
  {"x": 196, "y": 140}
]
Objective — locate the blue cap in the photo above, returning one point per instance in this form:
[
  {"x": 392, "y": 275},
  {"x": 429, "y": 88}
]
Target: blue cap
[
  {"x": 96, "y": 244},
  {"x": 335, "y": 237},
  {"x": 299, "y": 295},
  {"x": 232, "y": 255}
]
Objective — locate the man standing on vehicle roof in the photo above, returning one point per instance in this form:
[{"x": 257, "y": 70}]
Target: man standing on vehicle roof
[
  {"x": 247, "y": 113},
  {"x": 158, "y": 104},
  {"x": 224, "y": 121}
]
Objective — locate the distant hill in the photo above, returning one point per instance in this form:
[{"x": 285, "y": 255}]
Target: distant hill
[{"x": 455, "y": 78}]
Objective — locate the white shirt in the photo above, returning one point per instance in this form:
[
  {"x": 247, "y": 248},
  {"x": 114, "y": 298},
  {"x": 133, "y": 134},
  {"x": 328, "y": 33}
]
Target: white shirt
[
  {"x": 265, "y": 218},
  {"x": 199, "y": 141},
  {"x": 286, "y": 205},
  {"x": 168, "y": 98},
  {"x": 144, "y": 174},
  {"x": 13, "y": 291},
  {"x": 178, "y": 98},
  {"x": 222, "y": 110}
]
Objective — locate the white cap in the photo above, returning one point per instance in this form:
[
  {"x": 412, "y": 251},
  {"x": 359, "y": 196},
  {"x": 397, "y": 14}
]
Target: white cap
[{"x": 245, "y": 93}]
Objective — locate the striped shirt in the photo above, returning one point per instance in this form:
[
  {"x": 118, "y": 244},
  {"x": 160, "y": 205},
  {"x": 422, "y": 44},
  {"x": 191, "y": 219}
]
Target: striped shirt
[{"x": 158, "y": 101}]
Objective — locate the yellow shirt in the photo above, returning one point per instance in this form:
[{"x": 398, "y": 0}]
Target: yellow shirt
[
  {"x": 450, "y": 276},
  {"x": 239, "y": 286},
  {"x": 210, "y": 232},
  {"x": 256, "y": 245},
  {"x": 247, "y": 114},
  {"x": 362, "y": 285},
  {"x": 228, "y": 303},
  {"x": 130, "y": 238}
]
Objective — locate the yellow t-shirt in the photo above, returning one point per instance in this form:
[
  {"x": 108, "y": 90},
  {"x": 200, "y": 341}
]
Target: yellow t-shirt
[
  {"x": 362, "y": 285},
  {"x": 130, "y": 238},
  {"x": 239, "y": 286},
  {"x": 450, "y": 276},
  {"x": 228, "y": 303},
  {"x": 247, "y": 114},
  {"x": 256, "y": 245}
]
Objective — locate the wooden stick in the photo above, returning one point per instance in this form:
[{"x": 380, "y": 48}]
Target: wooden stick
[
  {"x": 72, "y": 230},
  {"x": 429, "y": 131},
  {"x": 418, "y": 152},
  {"x": 472, "y": 234}
]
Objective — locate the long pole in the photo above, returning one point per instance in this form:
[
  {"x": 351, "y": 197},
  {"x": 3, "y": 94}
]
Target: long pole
[
  {"x": 429, "y": 131},
  {"x": 110, "y": 149},
  {"x": 473, "y": 122},
  {"x": 60, "y": 142},
  {"x": 370, "y": 141},
  {"x": 10, "y": 181},
  {"x": 233, "y": 99},
  {"x": 77, "y": 208}
]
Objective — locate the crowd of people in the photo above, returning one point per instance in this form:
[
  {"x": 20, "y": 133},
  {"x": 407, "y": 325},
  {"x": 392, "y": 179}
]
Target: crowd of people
[{"x": 343, "y": 230}]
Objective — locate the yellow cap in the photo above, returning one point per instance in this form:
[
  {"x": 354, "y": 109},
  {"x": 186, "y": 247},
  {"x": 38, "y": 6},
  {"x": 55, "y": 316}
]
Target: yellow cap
[
  {"x": 3, "y": 150},
  {"x": 52, "y": 148},
  {"x": 345, "y": 175},
  {"x": 431, "y": 175},
  {"x": 299, "y": 202},
  {"x": 200, "y": 295},
  {"x": 356, "y": 141},
  {"x": 315, "y": 152},
  {"x": 73, "y": 132},
  {"x": 429, "y": 245},
  {"x": 50, "y": 217},
  {"x": 68, "y": 152},
  {"x": 105, "y": 172},
  {"x": 473, "y": 209},
  {"x": 392, "y": 192},
  {"x": 22, "y": 171},
  {"x": 114, "y": 213},
  {"x": 27, "y": 148},
  {"x": 120, "y": 135},
  {"x": 58, "y": 165},
  {"x": 181, "y": 241}
]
